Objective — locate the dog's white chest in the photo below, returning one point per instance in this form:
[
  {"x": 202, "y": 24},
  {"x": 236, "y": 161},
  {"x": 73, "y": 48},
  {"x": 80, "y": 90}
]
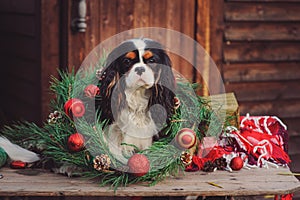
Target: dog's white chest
[{"x": 135, "y": 120}]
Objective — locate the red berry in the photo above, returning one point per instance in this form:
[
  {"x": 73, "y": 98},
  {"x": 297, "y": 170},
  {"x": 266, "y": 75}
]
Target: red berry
[
  {"x": 236, "y": 163},
  {"x": 76, "y": 142},
  {"x": 138, "y": 164}
]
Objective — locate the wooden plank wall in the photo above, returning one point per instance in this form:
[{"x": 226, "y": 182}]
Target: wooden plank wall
[
  {"x": 50, "y": 50},
  {"x": 29, "y": 54},
  {"x": 261, "y": 53},
  {"x": 107, "y": 18},
  {"x": 19, "y": 55}
]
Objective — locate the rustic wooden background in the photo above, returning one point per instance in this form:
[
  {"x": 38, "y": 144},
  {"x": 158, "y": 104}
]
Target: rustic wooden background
[
  {"x": 261, "y": 53},
  {"x": 255, "y": 44}
]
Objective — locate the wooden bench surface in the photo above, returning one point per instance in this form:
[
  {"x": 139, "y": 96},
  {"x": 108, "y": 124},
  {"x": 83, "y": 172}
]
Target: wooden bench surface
[{"x": 239, "y": 183}]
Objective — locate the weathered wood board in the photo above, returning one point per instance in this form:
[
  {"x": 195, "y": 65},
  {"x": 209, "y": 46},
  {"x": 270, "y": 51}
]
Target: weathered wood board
[{"x": 245, "y": 182}]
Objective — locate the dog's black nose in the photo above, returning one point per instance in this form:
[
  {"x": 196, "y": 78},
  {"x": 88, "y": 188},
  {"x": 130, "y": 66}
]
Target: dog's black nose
[{"x": 140, "y": 70}]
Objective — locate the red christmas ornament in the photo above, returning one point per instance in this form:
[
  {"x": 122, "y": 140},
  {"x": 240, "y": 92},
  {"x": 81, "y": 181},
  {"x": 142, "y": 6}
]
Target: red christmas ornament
[
  {"x": 18, "y": 164},
  {"x": 76, "y": 142},
  {"x": 176, "y": 103},
  {"x": 236, "y": 163},
  {"x": 186, "y": 138},
  {"x": 138, "y": 164},
  {"x": 74, "y": 108},
  {"x": 91, "y": 91}
]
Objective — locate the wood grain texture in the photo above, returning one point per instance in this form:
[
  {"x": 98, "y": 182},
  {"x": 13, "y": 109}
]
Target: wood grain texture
[
  {"x": 108, "y": 19},
  {"x": 253, "y": 72},
  {"x": 209, "y": 33},
  {"x": 125, "y": 15},
  {"x": 141, "y": 13},
  {"x": 265, "y": 91},
  {"x": 49, "y": 52},
  {"x": 202, "y": 36},
  {"x": 282, "y": 109},
  {"x": 172, "y": 21},
  {"x": 261, "y": 52},
  {"x": 216, "y": 46},
  {"x": 187, "y": 18},
  {"x": 282, "y": 1},
  {"x": 245, "y": 11},
  {"x": 157, "y": 17},
  {"x": 92, "y": 38},
  {"x": 244, "y": 182},
  {"x": 262, "y": 31},
  {"x": 76, "y": 51}
]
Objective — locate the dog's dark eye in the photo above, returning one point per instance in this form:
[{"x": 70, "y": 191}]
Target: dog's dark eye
[
  {"x": 126, "y": 61},
  {"x": 151, "y": 60}
]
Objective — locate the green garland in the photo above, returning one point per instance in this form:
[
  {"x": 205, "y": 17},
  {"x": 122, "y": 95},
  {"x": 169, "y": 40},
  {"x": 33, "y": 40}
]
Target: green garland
[
  {"x": 51, "y": 140},
  {"x": 3, "y": 157}
]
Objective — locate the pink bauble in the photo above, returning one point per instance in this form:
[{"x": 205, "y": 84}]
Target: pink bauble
[{"x": 138, "y": 164}]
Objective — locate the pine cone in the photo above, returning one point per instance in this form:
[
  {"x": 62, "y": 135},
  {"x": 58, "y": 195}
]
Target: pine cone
[
  {"x": 220, "y": 163},
  {"x": 209, "y": 166},
  {"x": 101, "y": 162},
  {"x": 186, "y": 158},
  {"x": 53, "y": 117}
]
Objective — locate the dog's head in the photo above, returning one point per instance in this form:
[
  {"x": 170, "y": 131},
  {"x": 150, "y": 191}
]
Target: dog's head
[{"x": 137, "y": 65}]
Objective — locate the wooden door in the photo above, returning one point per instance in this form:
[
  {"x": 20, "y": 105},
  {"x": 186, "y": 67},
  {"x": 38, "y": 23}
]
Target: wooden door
[{"x": 105, "y": 18}]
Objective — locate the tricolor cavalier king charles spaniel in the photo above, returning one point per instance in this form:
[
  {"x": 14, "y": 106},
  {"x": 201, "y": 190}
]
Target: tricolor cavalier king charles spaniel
[{"x": 137, "y": 90}]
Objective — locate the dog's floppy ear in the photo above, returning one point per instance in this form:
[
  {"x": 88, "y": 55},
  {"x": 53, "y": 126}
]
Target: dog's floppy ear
[
  {"x": 163, "y": 91},
  {"x": 110, "y": 84}
]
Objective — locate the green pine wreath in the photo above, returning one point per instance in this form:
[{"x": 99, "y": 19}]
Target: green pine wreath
[{"x": 94, "y": 160}]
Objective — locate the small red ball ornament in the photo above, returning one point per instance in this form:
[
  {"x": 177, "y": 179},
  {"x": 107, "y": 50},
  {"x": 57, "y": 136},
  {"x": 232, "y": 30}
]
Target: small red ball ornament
[
  {"x": 74, "y": 108},
  {"x": 236, "y": 163},
  {"x": 186, "y": 138},
  {"x": 75, "y": 142},
  {"x": 91, "y": 91},
  {"x": 138, "y": 164},
  {"x": 18, "y": 164}
]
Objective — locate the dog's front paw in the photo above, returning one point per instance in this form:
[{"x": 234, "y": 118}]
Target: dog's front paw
[
  {"x": 67, "y": 169},
  {"x": 127, "y": 150}
]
